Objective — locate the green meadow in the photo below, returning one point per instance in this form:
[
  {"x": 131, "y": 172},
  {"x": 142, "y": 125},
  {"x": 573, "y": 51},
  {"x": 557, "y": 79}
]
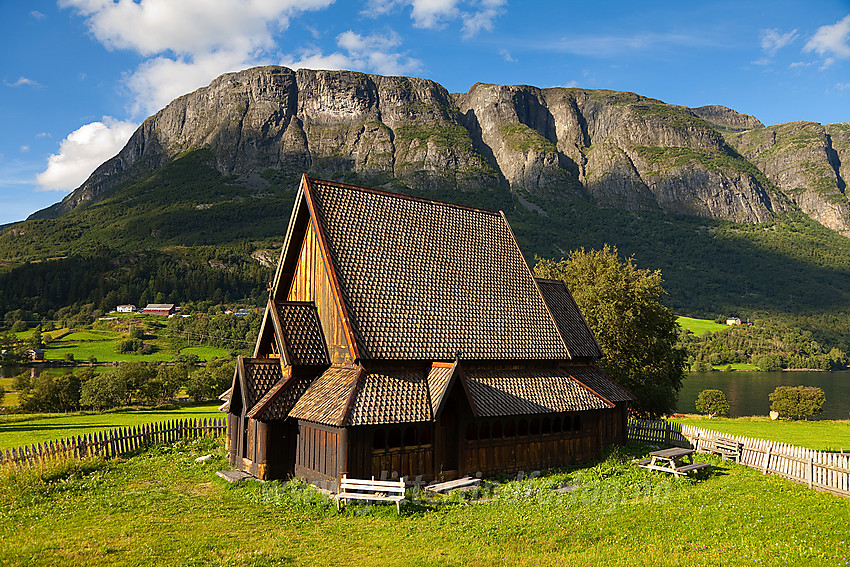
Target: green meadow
[
  {"x": 17, "y": 430},
  {"x": 823, "y": 435},
  {"x": 161, "y": 507},
  {"x": 699, "y": 326}
]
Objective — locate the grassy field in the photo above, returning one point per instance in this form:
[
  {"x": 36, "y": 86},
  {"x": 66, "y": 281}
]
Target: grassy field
[
  {"x": 17, "y": 430},
  {"x": 739, "y": 366},
  {"x": 699, "y": 326},
  {"x": 163, "y": 508},
  {"x": 823, "y": 435},
  {"x": 205, "y": 352}
]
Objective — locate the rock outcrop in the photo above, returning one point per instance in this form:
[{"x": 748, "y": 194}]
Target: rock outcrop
[
  {"x": 617, "y": 149},
  {"x": 804, "y": 160}
]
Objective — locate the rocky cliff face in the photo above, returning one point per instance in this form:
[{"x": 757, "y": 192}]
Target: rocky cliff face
[
  {"x": 618, "y": 149},
  {"x": 804, "y": 160}
]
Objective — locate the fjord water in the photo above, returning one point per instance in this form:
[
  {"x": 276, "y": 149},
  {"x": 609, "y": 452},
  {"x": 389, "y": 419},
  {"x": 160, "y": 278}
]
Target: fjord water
[{"x": 748, "y": 391}]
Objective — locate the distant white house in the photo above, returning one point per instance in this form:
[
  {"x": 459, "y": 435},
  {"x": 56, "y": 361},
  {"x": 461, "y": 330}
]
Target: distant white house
[
  {"x": 733, "y": 321},
  {"x": 126, "y": 309}
]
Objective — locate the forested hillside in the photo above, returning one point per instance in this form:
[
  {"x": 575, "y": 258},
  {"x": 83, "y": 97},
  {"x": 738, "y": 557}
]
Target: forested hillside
[{"x": 195, "y": 208}]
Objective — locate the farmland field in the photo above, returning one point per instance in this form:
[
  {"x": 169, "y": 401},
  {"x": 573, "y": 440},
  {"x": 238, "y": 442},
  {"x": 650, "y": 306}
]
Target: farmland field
[
  {"x": 22, "y": 429},
  {"x": 161, "y": 507},
  {"x": 699, "y": 326}
]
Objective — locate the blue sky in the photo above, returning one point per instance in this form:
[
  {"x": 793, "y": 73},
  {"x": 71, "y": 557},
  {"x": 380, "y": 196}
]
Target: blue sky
[{"x": 78, "y": 76}]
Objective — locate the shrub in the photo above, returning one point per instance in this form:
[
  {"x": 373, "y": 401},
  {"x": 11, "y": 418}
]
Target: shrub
[
  {"x": 713, "y": 403},
  {"x": 769, "y": 362},
  {"x": 19, "y": 327},
  {"x": 797, "y": 401}
]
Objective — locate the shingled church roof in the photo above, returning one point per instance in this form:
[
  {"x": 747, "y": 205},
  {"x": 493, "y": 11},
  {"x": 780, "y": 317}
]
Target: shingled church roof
[{"x": 417, "y": 281}]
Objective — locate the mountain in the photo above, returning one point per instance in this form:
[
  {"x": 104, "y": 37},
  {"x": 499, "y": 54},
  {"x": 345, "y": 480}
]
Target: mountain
[
  {"x": 742, "y": 218},
  {"x": 615, "y": 149}
]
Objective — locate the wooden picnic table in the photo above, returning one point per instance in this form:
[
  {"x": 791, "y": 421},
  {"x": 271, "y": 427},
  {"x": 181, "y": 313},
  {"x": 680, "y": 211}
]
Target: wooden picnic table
[{"x": 672, "y": 461}]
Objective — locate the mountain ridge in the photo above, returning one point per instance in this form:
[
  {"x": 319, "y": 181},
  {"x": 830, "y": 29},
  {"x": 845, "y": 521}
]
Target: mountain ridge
[{"x": 613, "y": 148}]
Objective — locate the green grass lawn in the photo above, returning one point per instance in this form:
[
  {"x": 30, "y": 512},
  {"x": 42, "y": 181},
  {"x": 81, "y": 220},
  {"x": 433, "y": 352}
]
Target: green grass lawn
[
  {"x": 17, "y": 430},
  {"x": 739, "y": 366},
  {"x": 205, "y": 352},
  {"x": 90, "y": 335},
  {"x": 163, "y": 508},
  {"x": 103, "y": 351},
  {"x": 823, "y": 435},
  {"x": 699, "y": 326}
]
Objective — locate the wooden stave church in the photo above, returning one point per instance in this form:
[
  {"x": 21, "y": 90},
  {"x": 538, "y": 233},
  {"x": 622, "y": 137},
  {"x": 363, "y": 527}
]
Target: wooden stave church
[{"x": 409, "y": 335}]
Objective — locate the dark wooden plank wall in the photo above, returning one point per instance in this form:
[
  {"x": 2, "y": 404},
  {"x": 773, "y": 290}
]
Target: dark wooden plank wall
[
  {"x": 311, "y": 283},
  {"x": 317, "y": 452},
  {"x": 529, "y": 451}
]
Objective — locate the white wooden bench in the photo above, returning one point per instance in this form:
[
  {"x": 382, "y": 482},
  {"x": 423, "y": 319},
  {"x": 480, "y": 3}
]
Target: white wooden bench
[
  {"x": 728, "y": 448},
  {"x": 375, "y": 490}
]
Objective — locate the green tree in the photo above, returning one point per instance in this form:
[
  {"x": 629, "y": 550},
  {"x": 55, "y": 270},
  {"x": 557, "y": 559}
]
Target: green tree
[
  {"x": 36, "y": 340},
  {"x": 51, "y": 393},
  {"x": 210, "y": 381},
  {"x": 134, "y": 376},
  {"x": 797, "y": 402},
  {"x": 713, "y": 403},
  {"x": 103, "y": 391},
  {"x": 638, "y": 335},
  {"x": 2, "y": 394}
]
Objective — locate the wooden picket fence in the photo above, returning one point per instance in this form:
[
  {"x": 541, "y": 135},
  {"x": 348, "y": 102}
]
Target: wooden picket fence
[
  {"x": 114, "y": 442},
  {"x": 823, "y": 470}
]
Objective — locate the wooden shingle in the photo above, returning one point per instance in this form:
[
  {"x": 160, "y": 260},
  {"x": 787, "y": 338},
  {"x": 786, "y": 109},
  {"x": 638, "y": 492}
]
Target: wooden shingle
[{"x": 428, "y": 280}]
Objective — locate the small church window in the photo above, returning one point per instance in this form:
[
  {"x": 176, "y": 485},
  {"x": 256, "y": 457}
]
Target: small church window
[
  {"x": 497, "y": 429},
  {"x": 485, "y": 430},
  {"x": 411, "y": 436},
  {"x": 379, "y": 439},
  {"x": 394, "y": 439}
]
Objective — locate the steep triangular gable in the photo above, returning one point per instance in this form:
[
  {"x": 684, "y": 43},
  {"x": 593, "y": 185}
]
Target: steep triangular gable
[
  {"x": 304, "y": 274},
  {"x": 441, "y": 377},
  {"x": 427, "y": 280}
]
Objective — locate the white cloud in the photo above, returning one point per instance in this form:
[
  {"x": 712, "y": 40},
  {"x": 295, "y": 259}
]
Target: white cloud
[
  {"x": 82, "y": 152},
  {"x": 506, "y": 55},
  {"x": 375, "y": 8},
  {"x": 842, "y": 86},
  {"x": 25, "y": 148},
  {"x": 190, "y": 42},
  {"x": 23, "y": 82},
  {"x": 433, "y": 13},
  {"x": 374, "y": 53},
  {"x": 772, "y": 41},
  {"x": 832, "y": 41},
  {"x": 150, "y": 27},
  {"x": 158, "y": 81},
  {"x": 476, "y": 15},
  {"x": 37, "y": 15},
  {"x": 606, "y": 46},
  {"x": 482, "y": 18}
]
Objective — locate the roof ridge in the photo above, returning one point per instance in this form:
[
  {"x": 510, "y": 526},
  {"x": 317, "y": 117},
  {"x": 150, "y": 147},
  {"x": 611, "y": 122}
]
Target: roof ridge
[{"x": 386, "y": 193}]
